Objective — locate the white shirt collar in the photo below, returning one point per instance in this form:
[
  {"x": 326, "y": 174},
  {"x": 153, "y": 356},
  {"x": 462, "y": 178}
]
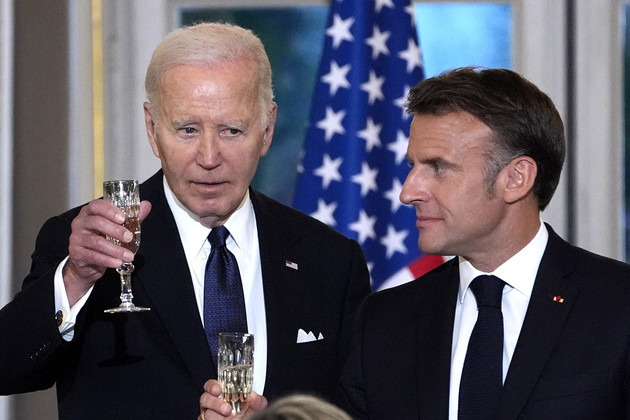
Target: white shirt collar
[
  {"x": 519, "y": 272},
  {"x": 194, "y": 234}
]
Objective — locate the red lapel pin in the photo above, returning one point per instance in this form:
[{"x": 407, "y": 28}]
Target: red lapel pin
[{"x": 559, "y": 299}]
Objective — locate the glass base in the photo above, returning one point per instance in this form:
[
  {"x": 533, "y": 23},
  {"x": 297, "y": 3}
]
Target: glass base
[{"x": 126, "y": 307}]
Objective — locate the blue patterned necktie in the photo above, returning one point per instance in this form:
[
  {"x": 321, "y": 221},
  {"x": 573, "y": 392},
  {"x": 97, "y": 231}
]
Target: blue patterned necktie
[
  {"x": 223, "y": 300},
  {"x": 482, "y": 375}
]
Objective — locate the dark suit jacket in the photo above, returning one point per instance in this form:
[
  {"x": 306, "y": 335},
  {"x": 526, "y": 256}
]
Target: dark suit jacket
[
  {"x": 154, "y": 364},
  {"x": 571, "y": 361}
]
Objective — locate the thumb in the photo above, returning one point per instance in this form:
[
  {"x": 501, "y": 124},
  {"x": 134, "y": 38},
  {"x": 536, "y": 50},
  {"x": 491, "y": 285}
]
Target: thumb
[
  {"x": 145, "y": 208},
  {"x": 256, "y": 403}
]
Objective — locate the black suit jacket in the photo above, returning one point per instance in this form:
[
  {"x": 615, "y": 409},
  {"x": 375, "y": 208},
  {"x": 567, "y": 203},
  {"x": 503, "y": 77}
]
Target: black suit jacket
[
  {"x": 154, "y": 364},
  {"x": 571, "y": 361}
]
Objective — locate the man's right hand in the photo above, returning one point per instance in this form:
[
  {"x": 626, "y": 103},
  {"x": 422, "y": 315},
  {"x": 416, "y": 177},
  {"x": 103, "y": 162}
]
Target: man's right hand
[
  {"x": 214, "y": 408},
  {"x": 90, "y": 253}
]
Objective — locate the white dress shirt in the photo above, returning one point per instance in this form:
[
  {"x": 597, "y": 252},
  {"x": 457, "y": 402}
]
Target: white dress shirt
[
  {"x": 519, "y": 274},
  {"x": 243, "y": 243}
]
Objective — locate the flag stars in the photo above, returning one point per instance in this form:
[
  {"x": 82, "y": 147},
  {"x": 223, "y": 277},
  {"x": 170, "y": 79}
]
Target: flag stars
[
  {"x": 340, "y": 30},
  {"x": 374, "y": 87},
  {"x": 383, "y": 3},
  {"x": 394, "y": 241},
  {"x": 359, "y": 128},
  {"x": 393, "y": 195},
  {"x": 399, "y": 147},
  {"x": 337, "y": 77},
  {"x": 400, "y": 102},
  {"x": 378, "y": 42},
  {"x": 410, "y": 11},
  {"x": 366, "y": 179},
  {"x": 364, "y": 227},
  {"x": 324, "y": 212},
  {"x": 411, "y": 55},
  {"x": 329, "y": 171},
  {"x": 371, "y": 134},
  {"x": 331, "y": 124}
]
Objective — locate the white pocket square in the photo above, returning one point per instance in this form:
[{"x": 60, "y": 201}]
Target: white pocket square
[{"x": 304, "y": 337}]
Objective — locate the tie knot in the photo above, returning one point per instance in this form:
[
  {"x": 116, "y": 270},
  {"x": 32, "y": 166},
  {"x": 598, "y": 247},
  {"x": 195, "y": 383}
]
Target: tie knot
[
  {"x": 218, "y": 236},
  {"x": 488, "y": 290}
]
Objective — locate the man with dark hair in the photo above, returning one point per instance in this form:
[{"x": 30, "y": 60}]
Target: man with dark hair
[{"x": 520, "y": 324}]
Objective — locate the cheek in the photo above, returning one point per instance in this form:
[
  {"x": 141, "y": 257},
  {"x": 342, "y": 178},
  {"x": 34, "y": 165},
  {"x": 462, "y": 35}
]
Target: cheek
[
  {"x": 176, "y": 159},
  {"x": 245, "y": 157},
  {"x": 461, "y": 203},
  {"x": 246, "y": 166}
]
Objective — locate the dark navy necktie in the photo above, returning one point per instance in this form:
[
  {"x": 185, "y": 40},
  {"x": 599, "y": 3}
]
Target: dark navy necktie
[
  {"x": 482, "y": 374},
  {"x": 223, "y": 300}
]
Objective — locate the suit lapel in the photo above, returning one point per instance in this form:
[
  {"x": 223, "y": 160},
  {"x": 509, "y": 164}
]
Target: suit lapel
[
  {"x": 281, "y": 286},
  {"x": 164, "y": 276},
  {"x": 548, "y": 309},
  {"x": 434, "y": 339}
]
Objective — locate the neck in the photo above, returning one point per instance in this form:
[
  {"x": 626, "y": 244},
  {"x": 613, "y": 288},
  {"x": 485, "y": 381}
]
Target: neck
[{"x": 516, "y": 233}]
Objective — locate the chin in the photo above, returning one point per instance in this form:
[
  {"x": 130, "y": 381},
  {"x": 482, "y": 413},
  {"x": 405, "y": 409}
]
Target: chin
[{"x": 430, "y": 248}]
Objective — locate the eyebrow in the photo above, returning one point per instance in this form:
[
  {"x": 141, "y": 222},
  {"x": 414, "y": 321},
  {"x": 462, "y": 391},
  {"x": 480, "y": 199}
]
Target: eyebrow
[
  {"x": 238, "y": 125},
  {"x": 435, "y": 160},
  {"x": 439, "y": 162},
  {"x": 181, "y": 123}
]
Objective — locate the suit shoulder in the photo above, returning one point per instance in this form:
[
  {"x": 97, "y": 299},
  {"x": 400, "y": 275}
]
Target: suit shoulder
[
  {"x": 438, "y": 280},
  {"x": 579, "y": 260},
  {"x": 601, "y": 268},
  {"x": 571, "y": 258},
  {"x": 599, "y": 279},
  {"x": 287, "y": 218}
]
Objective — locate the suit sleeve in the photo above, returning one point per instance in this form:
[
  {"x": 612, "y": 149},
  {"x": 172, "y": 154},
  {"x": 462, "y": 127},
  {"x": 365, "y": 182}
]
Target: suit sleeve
[
  {"x": 358, "y": 289},
  {"x": 31, "y": 348},
  {"x": 350, "y": 394}
]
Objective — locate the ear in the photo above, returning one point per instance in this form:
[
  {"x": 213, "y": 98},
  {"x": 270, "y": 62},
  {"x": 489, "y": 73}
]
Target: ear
[
  {"x": 149, "y": 123},
  {"x": 268, "y": 133},
  {"x": 521, "y": 174}
]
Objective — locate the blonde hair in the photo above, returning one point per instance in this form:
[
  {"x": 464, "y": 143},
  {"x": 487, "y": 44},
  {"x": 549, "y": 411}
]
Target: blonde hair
[
  {"x": 209, "y": 44},
  {"x": 301, "y": 407}
]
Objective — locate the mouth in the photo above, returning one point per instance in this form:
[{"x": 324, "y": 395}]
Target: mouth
[
  {"x": 208, "y": 186},
  {"x": 425, "y": 221}
]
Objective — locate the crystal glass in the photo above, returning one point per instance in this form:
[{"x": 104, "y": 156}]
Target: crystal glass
[
  {"x": 236, "y": 369},
  {"x": 125, "y": 194}
]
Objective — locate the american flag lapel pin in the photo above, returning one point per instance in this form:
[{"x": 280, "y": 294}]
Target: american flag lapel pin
[
  {"x": 291, "y": 264},
  {"x": 558, "y": 299}
]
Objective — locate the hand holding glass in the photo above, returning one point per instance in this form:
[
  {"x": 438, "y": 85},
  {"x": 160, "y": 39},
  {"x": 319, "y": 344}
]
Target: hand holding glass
[
  {"x": 126, "y": 196},
  {"x": 236, "y": 369}
]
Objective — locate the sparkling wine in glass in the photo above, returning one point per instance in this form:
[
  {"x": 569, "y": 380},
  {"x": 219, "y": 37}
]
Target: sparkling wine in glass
[
  {"x": 125, "y": 194},
  {"x": 236, "y": 369}
]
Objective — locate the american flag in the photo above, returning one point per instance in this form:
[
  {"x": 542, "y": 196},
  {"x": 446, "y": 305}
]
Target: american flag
[{"x": 354, "y": 160}]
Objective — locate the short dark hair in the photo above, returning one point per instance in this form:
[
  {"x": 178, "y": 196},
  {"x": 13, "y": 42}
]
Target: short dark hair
[{"x": 523, "y": 119}]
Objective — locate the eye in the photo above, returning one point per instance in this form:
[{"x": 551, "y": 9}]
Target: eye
[
  {"x": 188, "y": 130},
  {"x": 437, "y": 166},
  {"x": 231, "y": 132}
]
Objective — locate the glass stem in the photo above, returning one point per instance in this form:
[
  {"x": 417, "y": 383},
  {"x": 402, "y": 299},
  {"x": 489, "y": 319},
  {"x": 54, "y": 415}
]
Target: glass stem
[{"x": 126, "y": 295}]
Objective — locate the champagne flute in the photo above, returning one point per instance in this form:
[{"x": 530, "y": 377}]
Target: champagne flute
[
  {"x": 235, "y": 368},
  {"x": 125, "y": 195}
]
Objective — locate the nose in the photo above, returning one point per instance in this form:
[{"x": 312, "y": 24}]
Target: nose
[
  {"x": 414, "y": 189},
  {"x": 208, "y": 152}
]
